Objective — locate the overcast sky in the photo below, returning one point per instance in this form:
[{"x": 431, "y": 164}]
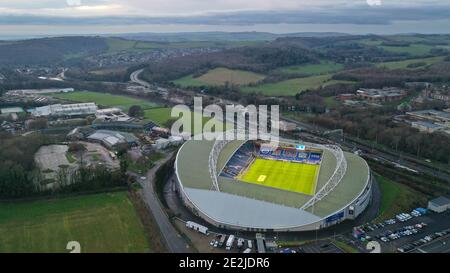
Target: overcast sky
[
  {"x": 19, "y": 17},
  {"x": 185, "y": 7}
]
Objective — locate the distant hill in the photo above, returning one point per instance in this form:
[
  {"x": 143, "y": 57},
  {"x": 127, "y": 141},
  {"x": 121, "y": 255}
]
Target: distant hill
[
  {"x": 220, "y": 36},
  {"x": 48, "y": 50}
]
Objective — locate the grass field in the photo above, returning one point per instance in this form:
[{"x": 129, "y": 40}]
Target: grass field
[
  {"x": 104, "y": 222},
  {"x": 289, "y": 176},
  {"x": 396, "y": 198},
  {"x": 414, "y": 49},
  {"x": 293, "y": 86},
  {"x": 162, "y": 116},
  {"x": 220, "y": 76},
  {"x": 312, "y": 69},
  {"x": 404, "y": 64},
  {"x": 105, "y": 99}
]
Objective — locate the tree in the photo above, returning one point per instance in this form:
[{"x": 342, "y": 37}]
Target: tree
[
  {"x": 76, "y": 147},
  {"x": 135, "y": 111}
]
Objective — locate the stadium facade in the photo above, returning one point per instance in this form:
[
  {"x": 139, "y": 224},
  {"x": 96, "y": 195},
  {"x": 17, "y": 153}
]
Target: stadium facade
[{"x": 207, "y": 185}]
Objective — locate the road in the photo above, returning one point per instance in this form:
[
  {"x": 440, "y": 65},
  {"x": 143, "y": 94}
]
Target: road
[
  {"x": 172, "y": 239},
  {"x": 134, "y": 77}
]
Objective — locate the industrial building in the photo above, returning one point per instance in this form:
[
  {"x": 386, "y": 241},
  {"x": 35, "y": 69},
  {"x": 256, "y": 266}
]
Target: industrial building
[
  {"x": 425, "y": 126},
  {"x": 11, "y": 110},
  {"x": 112, "y": 114},
  {"x": 381, "y": 95},
  {"x": 431, "y": 115},
  {"x": 65, "y": 110},
  {"x": 439, "y": 205},
  {"x": 111, "y": 139}
]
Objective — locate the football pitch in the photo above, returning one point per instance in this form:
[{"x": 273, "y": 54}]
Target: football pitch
[{"x": 289, "y": 176}]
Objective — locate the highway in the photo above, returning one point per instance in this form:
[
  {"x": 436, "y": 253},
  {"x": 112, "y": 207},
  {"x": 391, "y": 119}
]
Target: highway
[{"x": 134, "y": 77}]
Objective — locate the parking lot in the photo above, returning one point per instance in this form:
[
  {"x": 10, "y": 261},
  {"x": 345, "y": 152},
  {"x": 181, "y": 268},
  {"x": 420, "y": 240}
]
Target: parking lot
[
  {"x": 441, "y": 245},
  {"x": 320, "y": 247},
  {"x": 410, "y": 235}
]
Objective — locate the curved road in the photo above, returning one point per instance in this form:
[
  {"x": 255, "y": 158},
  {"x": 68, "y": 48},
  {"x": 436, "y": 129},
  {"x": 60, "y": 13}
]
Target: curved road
[
  {"x": 172, "y": 239},
  {"x": 134, "y": 77}
]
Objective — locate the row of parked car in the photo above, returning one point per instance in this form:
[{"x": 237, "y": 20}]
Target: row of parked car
[
  {"x": 422, "y": 241},
  {"x": 401, "y": 232},
  {"x": 403, "y": 217},
  {"x": 220, "y": 240}
]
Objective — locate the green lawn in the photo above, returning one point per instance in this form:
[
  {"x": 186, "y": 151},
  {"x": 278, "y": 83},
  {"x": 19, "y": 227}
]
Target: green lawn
[
  {"x": 220, "y": 76},
  {"x": 100, "y": 223},
  {"x": 396, "y": 198},
  {"x": 293, "y": 86},
  {"x": 70, "y": 157},
  {"x": 404, "y": 64},
  {"x": 331, "y": 102},
  {"x": 289, "y": 176},
  {"x": 312, "y": 69},
  {"x": 105, "y": 99},
  {"x": 158, "y": 115},
  {"x": 162, "y": 116}
]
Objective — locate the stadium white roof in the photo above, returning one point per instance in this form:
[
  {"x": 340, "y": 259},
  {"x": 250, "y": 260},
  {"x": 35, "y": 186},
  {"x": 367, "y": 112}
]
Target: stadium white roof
[{"x": 246, "y": 212}]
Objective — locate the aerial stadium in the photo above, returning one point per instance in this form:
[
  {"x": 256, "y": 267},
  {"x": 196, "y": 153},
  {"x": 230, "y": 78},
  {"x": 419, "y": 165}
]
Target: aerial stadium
[{"x": 260, "y": 186}]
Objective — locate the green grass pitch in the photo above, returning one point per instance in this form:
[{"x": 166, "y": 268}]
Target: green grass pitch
[
  {"x": 289, "y": 176},
  {"x": 105, "y": 222}
]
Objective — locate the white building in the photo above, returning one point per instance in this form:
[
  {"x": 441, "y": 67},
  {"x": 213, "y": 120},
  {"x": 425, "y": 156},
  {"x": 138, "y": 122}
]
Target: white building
[
  {"x": 439, "y": 205},
  {"x": 60, "y": 110},
  {"x": 112, "y": 114}
]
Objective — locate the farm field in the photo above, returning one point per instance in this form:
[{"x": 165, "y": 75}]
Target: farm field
[
  {"x": 404, "y": 64},
  {"x": 220, "y": 76},
  {"x": 105, "y": 99},
  {"x": 312, "y": 69},
  {"x": 293, "y": 86},
  {"x": 104, "y": 222},
  {"x": 289, "y": 176},
  {"x": 118, "y": 45},
  {"x": 412, "y": 49}
]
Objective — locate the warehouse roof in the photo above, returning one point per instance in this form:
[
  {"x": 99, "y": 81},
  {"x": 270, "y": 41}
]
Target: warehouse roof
[{"x": 440, "y": 201}]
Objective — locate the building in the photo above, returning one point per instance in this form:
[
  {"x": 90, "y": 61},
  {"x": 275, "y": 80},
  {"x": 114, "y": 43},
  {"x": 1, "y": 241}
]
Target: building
[
  {"x": 431, "y": 115},
  {"x": 65, "y": 110},
  {"x": 386, "y": 94},
  {"x": 225, "y": 201},
  {"x": 111, "y": 139},
  {"x": 162, "y": 143},
  {"x": 425, "y": 126},
  {"x": 287, "y": 126},
  {"x": 344, "y": 97},
  {"x": 11, "y": 110},
  {"x": 439, "y": 205},
  {"x": 112, "y": 114}
]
